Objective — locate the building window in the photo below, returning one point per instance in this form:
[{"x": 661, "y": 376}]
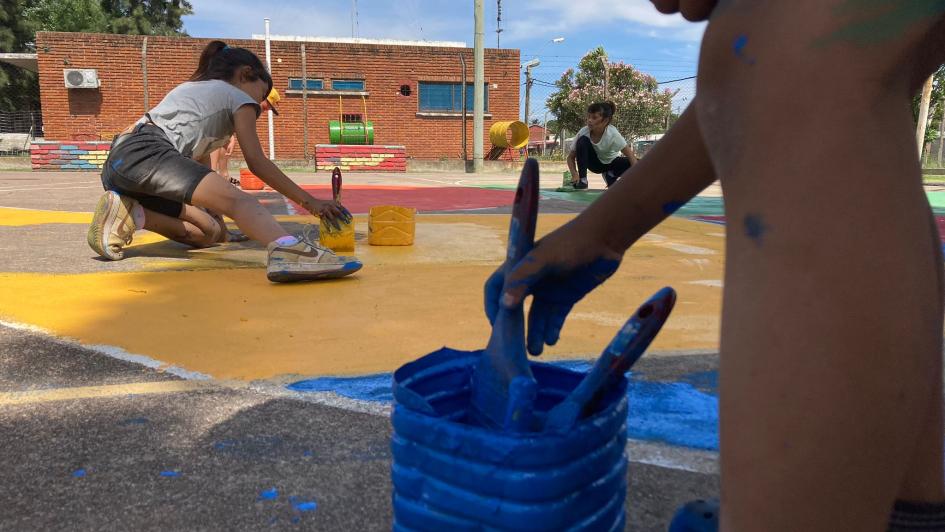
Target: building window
[
  {"x": 351, "y": 118},
  {"x": 347, "y": 84},
  {"x": 295, "y": 84},
  {"x": 448, "y": 97}
]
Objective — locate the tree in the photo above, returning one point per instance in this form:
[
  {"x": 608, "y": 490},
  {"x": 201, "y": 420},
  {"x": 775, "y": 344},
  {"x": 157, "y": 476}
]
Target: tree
[
  {"x": 21, "y": 19},
  {"x": 18, "y": 87},
  {"x": 147, "y": 17},
  {"x": 641, "y": 107},
  {"x": 68, "y": 15}
]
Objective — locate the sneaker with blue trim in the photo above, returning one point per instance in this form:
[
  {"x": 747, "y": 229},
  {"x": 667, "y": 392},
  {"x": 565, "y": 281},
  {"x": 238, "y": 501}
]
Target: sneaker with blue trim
[{"x": 307, "y": 261}]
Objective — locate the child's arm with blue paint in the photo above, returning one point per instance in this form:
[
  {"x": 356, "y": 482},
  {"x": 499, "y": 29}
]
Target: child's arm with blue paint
[{"x": 571, "y": 261}]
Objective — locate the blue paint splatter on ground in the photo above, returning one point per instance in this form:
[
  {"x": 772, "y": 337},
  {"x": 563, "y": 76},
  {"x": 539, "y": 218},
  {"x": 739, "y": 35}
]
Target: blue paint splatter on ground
[
  {"x": 307, "y": 453},
  {"x": 269, "y": 495},
  {"x": 170, "y": 474},
  {"x": 755, "y": 228},
  {"x": 681, "y": 413},
  {"x": 368, "y": 388},
  {"x": 134, "y": 421},
  {"x": 78, "y": 473},
  {"x": 306, "y": 506}
]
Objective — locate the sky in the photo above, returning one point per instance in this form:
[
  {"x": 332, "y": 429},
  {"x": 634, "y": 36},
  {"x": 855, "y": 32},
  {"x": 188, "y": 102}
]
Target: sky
[{"x": 631, "y": 31}]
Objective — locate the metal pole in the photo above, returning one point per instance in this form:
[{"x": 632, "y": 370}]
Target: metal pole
[
  {"x": 304, "y": 106},
  {"x": 272, "y": 135},
  {"x": 544, "y": 134},
  {"x": 528, "y": 92},
  {"x": 478, "y": 86},
  {"x": 462, "y": 61},
  {"x": 923, "y": 114},
  {"x": 941, "y": 134}
]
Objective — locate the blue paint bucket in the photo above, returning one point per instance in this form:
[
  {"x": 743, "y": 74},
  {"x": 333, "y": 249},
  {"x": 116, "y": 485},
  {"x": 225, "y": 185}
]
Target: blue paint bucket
[{"x": 451, "y": 474}]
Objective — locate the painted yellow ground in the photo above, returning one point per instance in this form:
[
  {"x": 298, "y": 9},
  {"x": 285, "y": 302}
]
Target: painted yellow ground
[{"x": 216, "y": 313}]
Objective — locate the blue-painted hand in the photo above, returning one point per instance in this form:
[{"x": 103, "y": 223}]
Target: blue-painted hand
[{"x": 557, "y": 274}]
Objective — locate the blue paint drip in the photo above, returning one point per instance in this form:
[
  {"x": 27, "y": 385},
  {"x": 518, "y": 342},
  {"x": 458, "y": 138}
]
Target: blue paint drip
[
  {"x": 133, "y": 421},
  {"x": 740, "y": 42},
  {"x": 116, "y": 164},
  {"x": 269, "y": 495},
  {"x": 755, "y": 228},
  {"x": 170, "y": 474},
  {"x": 672, "y": 206},
  {"x": 78, "y": 473}
]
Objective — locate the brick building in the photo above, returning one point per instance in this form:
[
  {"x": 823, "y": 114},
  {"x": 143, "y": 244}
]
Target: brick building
[{"x": 409, "y": 90}]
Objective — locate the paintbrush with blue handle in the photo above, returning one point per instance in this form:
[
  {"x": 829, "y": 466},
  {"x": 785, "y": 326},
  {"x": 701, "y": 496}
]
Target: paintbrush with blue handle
[
  {"x": 622, "y": 352},
  {"x": 503, "y": 387}
]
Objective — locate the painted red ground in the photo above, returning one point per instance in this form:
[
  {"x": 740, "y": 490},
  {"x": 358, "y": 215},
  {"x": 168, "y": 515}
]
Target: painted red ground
[{"x": 360, "y": 198}]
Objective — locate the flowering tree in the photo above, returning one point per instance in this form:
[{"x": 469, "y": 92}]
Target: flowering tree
[{"x": 641, "y": 107}]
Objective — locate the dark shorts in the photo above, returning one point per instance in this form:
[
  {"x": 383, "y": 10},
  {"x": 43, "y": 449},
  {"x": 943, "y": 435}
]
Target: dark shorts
[{"x": 144, "y": 165}]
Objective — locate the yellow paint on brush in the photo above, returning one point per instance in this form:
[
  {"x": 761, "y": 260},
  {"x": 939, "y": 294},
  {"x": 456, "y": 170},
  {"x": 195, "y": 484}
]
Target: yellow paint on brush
[
  {"x": 20, "y": 217},
  {"x": 231, "y": 323},
  {"x": 338, "y": 240}
]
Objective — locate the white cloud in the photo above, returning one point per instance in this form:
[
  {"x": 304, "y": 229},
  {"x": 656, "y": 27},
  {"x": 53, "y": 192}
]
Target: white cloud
[{"x": 640, "y": 17}]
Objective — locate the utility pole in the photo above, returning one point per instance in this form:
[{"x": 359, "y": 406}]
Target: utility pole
[
  {"x": 498, "y": 22},
  {"x": 923, "y": 114},
  {"x": 354, "y": 18},
  {"x": 478, "y": 85},
  {"x": 941, "y": 133},
  {"x": 528, "y": 85},
  {"x": 606, "y": 75},
  {"x": 272, "y": 133}
]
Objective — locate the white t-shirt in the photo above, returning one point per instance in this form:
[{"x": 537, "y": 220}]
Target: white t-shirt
[
  {"x": 197, "y": 116},
  {"x": 611, "y": 142}
]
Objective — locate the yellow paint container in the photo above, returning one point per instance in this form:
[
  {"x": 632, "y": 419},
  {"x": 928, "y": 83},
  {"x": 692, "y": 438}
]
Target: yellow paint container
[
  {"x": 389, "y": 225},
  {"x": 334, "y": 239}
]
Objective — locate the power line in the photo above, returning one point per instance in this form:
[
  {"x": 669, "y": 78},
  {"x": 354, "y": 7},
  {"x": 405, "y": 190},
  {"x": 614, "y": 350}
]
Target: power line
[{"x": 675, "y": 80}]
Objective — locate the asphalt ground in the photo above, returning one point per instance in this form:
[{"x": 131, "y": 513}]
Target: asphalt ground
[{"x": 102, "y": 437}]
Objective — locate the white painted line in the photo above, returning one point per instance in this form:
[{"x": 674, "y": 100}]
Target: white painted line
[
  {"x": 688, "y": 250},
  {"x": 683, "y": 458},
  {"x": 708, "y": 282}
]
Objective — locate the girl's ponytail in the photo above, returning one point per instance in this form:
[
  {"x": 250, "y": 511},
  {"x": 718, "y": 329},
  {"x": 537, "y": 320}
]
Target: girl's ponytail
[{"x": 212, "y": 49}]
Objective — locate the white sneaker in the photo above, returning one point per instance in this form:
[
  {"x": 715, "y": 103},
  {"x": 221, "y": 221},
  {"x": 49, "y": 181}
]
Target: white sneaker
[
  {"x": 307, "y": 261},
  {"x": 112, "y": 226}
]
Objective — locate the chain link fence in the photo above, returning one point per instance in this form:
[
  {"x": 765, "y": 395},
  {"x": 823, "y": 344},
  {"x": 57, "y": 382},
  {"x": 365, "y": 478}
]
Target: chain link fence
[{"x": 17, "y": 130}]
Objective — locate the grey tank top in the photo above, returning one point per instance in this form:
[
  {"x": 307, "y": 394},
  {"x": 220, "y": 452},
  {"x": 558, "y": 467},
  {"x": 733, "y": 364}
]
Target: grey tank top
[{"x": 197, "y": 116}]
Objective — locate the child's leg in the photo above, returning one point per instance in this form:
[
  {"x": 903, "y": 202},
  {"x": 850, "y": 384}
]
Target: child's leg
[
  {"x": 194, "y": 227},
  {"x": 615, "y": 169},
  {"x": 831, "y": 383},
  {"x": 216, "y": 194},
  {"x": 586, "y": 158}
]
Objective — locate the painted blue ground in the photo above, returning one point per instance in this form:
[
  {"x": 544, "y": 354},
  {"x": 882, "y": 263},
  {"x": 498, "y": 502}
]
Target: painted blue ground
[{"x": 683, "y": 413}]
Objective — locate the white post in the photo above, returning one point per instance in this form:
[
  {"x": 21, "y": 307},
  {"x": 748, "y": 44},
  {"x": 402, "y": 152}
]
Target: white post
[
  {"x": 544, "y": 134},
  {"x": 478, "y": 86},
  {"x": 272, "y": 135}
]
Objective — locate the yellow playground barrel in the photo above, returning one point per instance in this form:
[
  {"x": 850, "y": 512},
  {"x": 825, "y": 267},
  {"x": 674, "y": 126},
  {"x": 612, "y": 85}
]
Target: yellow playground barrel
[{"x": 509, "y": 134}]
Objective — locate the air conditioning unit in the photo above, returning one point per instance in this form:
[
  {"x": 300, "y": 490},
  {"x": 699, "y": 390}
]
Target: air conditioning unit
[{"x": 81, "y": 78}]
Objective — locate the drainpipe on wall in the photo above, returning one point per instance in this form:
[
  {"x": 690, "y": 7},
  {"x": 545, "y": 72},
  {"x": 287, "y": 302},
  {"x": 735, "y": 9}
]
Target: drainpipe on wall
[
  {"x": 272, "y": 134},
  {"x": 304, "y": 107},
  {"x": 462, "y": 61},
  {"x": 144, "y": 72}
]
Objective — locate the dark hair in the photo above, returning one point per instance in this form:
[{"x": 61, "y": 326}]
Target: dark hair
[
  {"x": 219, "y": 61},
  {"x": 606, "y": 109}
]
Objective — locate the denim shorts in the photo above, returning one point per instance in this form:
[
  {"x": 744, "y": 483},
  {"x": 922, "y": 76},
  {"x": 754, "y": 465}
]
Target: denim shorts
[{"x": 144, "y": 165}]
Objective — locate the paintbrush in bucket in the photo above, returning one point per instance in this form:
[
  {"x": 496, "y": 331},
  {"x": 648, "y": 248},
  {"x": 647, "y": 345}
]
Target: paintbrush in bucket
[
  {"x": 503, "y": 387},
  {"x": 619, "y": 356}
]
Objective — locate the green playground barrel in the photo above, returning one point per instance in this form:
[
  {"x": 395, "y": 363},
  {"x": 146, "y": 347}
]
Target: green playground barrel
[{"x": 350, "y": 132}]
